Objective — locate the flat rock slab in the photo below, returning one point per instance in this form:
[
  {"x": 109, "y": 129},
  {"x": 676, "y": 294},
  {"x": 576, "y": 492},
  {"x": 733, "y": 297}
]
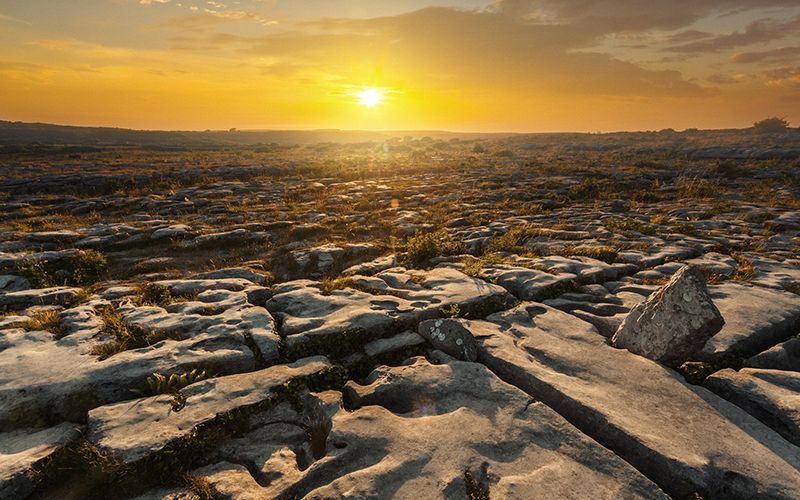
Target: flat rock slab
[
  {"x": 44, "y": 380},
  {"x": 38, "y": 297},
  {"x": 684, "y": 438},
  {"x": 525, "y": 283},
  {"x": 784, "y": 356},
  {"x": 756, "y": 318},
  {"x": 133, "y": 430},
  {"x": 21, "y": 450},
  {"x": 392, "y": 299},
  {"x": 772, "y": 396},
  {"x": 419, "y": 428}
]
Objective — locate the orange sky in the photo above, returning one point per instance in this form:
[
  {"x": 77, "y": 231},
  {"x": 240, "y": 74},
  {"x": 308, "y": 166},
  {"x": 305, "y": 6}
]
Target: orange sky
[{"x": 508, "y": 65}]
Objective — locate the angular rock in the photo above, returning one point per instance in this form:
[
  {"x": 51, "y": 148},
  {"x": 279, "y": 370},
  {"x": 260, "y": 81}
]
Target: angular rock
[
  {"x": 451, "y": 336},
  {"x": 673, "y": 323}
]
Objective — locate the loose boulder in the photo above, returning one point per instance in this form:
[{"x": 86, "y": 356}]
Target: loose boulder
[{"x": 674, "y": 322}]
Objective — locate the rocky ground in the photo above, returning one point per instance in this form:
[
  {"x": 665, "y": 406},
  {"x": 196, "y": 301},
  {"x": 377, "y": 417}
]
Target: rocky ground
[{"x": 444, "y": 321}]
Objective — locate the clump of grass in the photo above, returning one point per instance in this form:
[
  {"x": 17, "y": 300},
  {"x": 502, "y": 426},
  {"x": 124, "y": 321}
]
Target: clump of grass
[
  {"x": 475, "y": 489},
  {"x": 685, "y": 228},
  {"x": 153, "y": 295},
  {"x": 47, "y": 320},
  {"x": 604, "y": 253},
  {"x": 744, "y": 270},
  {"x": 514, "y": 239},
  {"x": 659, "y": 219},
  {"x": 124, "y": 337},
  {"x": 422, "y": 247},
  {"x": 622, "y": 224},
  {"x": 697, "y": 188},
  {"x": 161, "y": 384},
  {"x": 473, "y": 267},
  {"x": 200, "y": 487},
  {"x": 329, "y": 285},
  {"x": 36, "y": 273}
]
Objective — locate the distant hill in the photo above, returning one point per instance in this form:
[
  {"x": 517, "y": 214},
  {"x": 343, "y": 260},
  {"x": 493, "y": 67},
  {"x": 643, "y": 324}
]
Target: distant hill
[{"x": 43, "y": 133}]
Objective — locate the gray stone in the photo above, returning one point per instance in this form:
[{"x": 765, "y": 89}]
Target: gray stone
[
  {"x": 674, "y": 322},
  {"x": 132, "y": 430},
  {"x": 683, "y": 437},
  {"x": 451, "y": 336},
  {"x": 21, "y": 450},
  {"x": 784, "y": 356},
  {"x": 415, "y": 432},
  {"x": 756, "y": 318},
  {"x": 772, "y": 396}
]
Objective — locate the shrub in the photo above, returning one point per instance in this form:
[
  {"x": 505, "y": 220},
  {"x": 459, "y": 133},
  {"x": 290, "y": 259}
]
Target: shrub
[
  {"x": 85, "y": 268},
  {"x": 422, "y": 247},
  {"x": 772, "y": 125},
  {"x": 514, "y": 239},
  {"x": 153, "y": 295},
  {"x": 88, "y": 267}
]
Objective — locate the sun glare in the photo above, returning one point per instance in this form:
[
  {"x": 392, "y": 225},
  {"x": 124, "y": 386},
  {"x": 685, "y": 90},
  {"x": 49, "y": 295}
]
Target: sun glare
[{"x": 370, "y": 97}]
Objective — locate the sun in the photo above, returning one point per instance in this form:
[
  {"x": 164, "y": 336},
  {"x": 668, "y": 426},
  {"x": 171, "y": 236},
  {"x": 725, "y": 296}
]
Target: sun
[{"x": 370, "y": 97}]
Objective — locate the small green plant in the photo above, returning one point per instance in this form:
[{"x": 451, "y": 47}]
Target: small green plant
[
  {"x": 514, "y": 239},
  {"x": 83, "y": 269},
  {"x": 47, "y": 320},
  {"x": 451, "y": 311},
  {"x": 473, "y": 267},
  {"x": 161, "y": 384},
  {"x": 36, "y": 273}
]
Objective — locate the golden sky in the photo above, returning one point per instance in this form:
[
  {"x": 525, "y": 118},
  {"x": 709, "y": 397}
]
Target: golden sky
[{"x": 504, "y": 65}]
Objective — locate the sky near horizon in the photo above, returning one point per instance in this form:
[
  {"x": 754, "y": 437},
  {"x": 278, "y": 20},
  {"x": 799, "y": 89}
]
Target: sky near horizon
[{"x": 470, "y": 65}]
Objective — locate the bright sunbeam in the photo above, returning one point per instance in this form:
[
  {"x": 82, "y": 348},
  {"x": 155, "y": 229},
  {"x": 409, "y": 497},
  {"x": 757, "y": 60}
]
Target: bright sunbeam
[{"x": 370, "y": 97}]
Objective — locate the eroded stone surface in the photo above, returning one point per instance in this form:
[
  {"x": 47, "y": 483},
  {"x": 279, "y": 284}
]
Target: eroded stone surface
[
  {"x": 132, "y": 430},
  {"x": 684, "y": 438},
  {"x": 420, "y": 427}
]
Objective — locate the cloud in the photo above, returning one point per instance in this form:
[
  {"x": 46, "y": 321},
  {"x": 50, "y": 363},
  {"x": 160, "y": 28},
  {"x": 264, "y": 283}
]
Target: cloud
[
  {"x": 755, "y": 32},
  {"x": 203, "y": 19},
  {"x": 767, "y": 56},
  {"x": 446, "y": 47},
  {"x": 150, "y": 2},
  {"x": 631, "y": 15}
]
